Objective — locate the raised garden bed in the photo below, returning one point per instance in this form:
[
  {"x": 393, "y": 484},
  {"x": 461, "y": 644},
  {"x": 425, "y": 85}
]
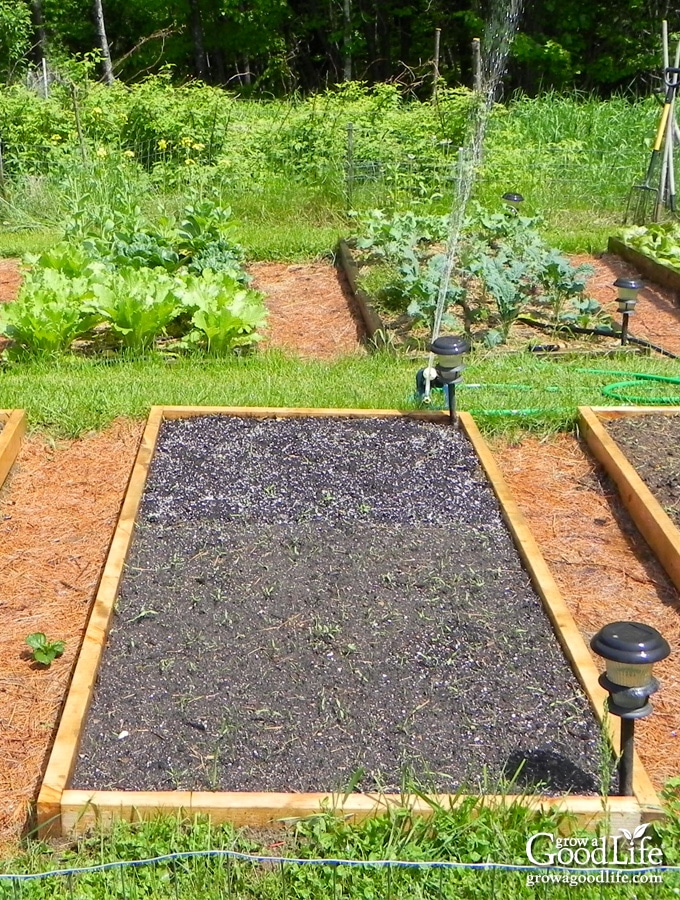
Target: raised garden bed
[
  {"x": 648, "y": 268},
  {"x": 12, "y": 430},
  {"x": 638, "y": 447},
  {"x": 538, "y": 337},
  {"x": 310, "y": 593}
]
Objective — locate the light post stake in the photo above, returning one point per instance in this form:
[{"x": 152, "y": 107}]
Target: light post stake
[
  {"x": 630, "y": 650},
  {"x": 627, "y": 298},
  {"x": 449, "y": 352}
]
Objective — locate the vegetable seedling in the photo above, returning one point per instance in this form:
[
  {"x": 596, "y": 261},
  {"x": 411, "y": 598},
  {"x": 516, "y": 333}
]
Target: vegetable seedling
[{"x": 44, "y": 651}]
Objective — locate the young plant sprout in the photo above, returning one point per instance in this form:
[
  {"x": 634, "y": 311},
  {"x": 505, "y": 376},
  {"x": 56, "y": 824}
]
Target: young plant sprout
[{"x": 43, "y": 650}]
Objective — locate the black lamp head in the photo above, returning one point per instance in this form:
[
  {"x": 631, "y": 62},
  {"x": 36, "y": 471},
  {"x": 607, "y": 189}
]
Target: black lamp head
[
  {"x": 512, "y": 197},
  {"x": 630, "y": 643},
  {"x": 450, "y": 345},
  {"x": 629, "y": 284}
]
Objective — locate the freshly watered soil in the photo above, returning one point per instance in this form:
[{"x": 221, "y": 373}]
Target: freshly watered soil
[
  {"x": 652, "y": 444},
  {"x": 306, "y": 598}
]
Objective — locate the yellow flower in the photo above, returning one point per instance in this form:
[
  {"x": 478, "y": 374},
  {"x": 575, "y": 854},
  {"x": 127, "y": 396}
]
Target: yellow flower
[
  {"x": 199, "y": 146},
  {"x": 56, "y": 137},
  {"x": 129, "y": 153},
  {"x": 102, "y": 152},
  {"x": 96, "y": 110},
  {"x": 162, "y": 145},
  {"x": 187, "y": 142},
  {"x": 189, "y": 162}
]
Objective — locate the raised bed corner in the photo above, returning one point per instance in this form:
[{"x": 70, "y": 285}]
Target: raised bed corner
[
  {"x": 649, "y": 268},
  {"x": 63, "y": 809},
  {"x": 653, "y": 523},
  {"x": 12, "y": 430}
]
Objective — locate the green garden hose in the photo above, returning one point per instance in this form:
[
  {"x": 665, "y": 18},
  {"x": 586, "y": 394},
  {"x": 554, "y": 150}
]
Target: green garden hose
[{"x": 617, "y": 391}]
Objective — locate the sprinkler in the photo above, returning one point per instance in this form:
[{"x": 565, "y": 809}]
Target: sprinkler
[
  {"x": 630, "y": 650},
  {"x": 449, "y": 352},
  {"x": 628, "y": 290}
]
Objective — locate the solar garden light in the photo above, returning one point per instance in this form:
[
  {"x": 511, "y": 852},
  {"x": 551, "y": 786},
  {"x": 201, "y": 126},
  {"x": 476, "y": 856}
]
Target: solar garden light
[
  {"x": 513, "y": 200},
  {"x": 630, "y": 650},
  {"x": 628, "y": 290},
  {"x": 449, "y": 352}
]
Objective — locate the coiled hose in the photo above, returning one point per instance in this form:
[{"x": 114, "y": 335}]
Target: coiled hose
[{"x": 617, "y": 391}]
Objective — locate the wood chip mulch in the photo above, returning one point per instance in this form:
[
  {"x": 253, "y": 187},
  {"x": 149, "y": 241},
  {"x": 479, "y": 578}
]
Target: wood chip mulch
[{"x": 57, "y": 516}]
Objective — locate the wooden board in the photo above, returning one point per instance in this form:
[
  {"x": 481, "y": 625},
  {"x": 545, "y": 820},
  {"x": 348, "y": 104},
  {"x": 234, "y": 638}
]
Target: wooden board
[
  {"x": 83, "y": 810},
  {"x": 62, "y": 810},
  {"x": 652, "y": 521},
  {"x": 372, "y": 320},
  {"x": 14, "y": 428}
]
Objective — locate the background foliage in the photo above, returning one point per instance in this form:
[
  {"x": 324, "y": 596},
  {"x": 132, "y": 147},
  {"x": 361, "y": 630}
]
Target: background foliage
[{"x": 279, "y": 46}]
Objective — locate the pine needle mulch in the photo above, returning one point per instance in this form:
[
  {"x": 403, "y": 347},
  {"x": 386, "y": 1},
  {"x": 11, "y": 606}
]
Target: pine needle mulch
[
  {"x": 57, "y": 515},
  {"x": 603, "y": 567}
]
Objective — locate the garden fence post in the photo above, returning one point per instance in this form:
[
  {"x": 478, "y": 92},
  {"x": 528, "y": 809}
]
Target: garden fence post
[
  {"x": 435, "y": 65},
  {"x": 349, "y": 166},
  {"x": 460, "y": 170},
  {"x": 79, "y": 125},
  {"x": 476, "y": 65}
]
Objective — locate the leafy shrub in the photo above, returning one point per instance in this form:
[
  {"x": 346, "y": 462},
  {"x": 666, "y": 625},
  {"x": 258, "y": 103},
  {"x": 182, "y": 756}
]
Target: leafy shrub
[
  {"x": 225, "y": 314},
  {"x": 660, "y": 242},
  {"x": 499, "y": 256}
]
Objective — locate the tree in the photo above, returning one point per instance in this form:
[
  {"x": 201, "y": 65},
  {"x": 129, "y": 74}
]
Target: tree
[{"x": 103, "y": 42}]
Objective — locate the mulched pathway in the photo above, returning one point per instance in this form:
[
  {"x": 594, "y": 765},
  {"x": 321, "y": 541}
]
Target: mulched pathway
[
  {"x": 312, "y": 311},
  {"x": 603, "y": 567},
  {"x": 657, "y": 314}
]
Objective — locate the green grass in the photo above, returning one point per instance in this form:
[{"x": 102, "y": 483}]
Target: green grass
[
  {"x": 68, "y": 396},
  {"x": 469, "y": 833},
  {"x": 19, "y": 243}
]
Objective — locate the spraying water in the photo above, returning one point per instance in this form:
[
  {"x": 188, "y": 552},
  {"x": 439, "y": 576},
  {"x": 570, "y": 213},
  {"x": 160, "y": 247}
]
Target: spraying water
[{"x": 498, "y": 36}]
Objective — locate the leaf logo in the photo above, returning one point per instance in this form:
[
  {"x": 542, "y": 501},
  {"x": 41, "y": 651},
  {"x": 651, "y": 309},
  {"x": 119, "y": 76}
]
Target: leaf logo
[{"x": 635, "y": 835}]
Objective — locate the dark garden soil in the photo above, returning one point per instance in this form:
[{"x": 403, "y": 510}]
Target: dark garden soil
[
  {"x": 307, "y": 598},
  {"x": 652, "y": 444}
]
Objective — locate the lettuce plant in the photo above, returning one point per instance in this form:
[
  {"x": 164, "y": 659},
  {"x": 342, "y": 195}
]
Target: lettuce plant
[
  {"x": 225, "y": 313},
  {"x": 49, "y": 314},
  {"x": 139, "y": 304}
]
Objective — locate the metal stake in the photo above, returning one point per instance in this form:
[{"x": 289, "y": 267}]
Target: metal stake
[
  {"x": 624, "y": 329},
  {"x": 453, "y": 420},
  {"x": 627, "y": 755}
]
